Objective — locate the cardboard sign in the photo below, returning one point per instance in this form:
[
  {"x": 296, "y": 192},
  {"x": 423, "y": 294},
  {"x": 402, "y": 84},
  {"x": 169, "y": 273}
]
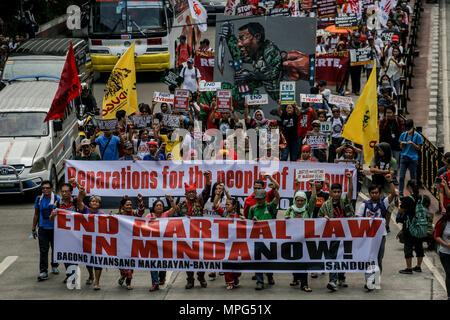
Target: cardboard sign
[
  {"x": 311, "y": 98},
  {"x": 317, "y": 141},
  {"x": 325, "y": 127},
  {"x": 210, "y": 86},
  {"x": 171, "y": 78},
  {"x": 181, "y": 99},
  {"x": 171, "y": 121},
  {"x": 362, "y": 56},
  {"x": 257, "y": 99},
  {"x": 142, "y": 122},
  {"x": 224, "y": 100},
  {"x": 161, "y": 97},
  {"x": 348, "y": 20},
  {"x": 304, "y": 175},
  {"x": 244, "y": 10},
  {"x": 287, "y": 92},
  {"x": 107, "y": 125},
  {"x": 280, "y": 12},
  {"x": 386, "y": 36},
  {"x": 337, "y": 100},
  {"x": 326, "y": 8},
  {"x": 307, "y": 4}
]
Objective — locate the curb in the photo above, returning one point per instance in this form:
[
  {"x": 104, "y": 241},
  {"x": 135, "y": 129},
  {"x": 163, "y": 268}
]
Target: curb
[{"x": 434, "y": 58}]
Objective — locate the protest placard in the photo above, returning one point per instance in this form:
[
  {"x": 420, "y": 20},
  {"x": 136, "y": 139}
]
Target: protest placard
[
  {"x": 161, "y": 97},
  {"x": 311, "y": 98},
  {"x": 224, "y": 100},
  {"x": 287, "y": 92},
  {"x": 181, "y": 99},
  {"x": 304, "y": 175},
  {"x": 326, "y": 8},
  {"x": 171, "y": 121},
  {"x": 361, "y": 56},
  {"x": 171, "y": 78},
  {"x": 141, "y": 121},
  {"x": 210, "y": 86},
  {"x": 332, "y": 67},
  {"x": 325, "y": 127},
  {"x": 107, "y": 125},
  {"x": 346, "y": 21},
  {"x": 257, "y": 99},
  {"x": 317, "y": 141},
  {"x": 280, "y": 12},
  {"x": 386, "y": 36},
  {"x": 337, "y": 100}
]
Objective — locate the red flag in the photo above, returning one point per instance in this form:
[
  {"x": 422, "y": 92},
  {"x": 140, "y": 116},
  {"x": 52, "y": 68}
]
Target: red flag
[{"x": 69, "y": 88}]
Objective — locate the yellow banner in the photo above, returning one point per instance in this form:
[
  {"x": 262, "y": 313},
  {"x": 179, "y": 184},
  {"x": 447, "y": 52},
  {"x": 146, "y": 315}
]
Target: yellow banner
[
  {"x": 362, "y": 125},
  {"x": 120, "y": 93}
]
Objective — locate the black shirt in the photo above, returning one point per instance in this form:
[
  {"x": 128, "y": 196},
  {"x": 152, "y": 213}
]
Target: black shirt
[{"x": 289, "y": 125}]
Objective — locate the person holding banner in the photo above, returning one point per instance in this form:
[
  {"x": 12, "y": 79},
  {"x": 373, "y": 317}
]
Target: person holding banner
[
  {"x": 336, "y": 207},
  {"x": 250, "y": 201},
  {"x": 193, "y": 206},
  {"x": 264, "y": 211},
  {"x": 302, "y": 208}
]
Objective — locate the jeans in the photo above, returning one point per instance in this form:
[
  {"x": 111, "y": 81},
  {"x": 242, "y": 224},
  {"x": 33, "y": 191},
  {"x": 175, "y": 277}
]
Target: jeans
[
  {"x": 445, "y": 260},
  {"x": 302, "y": 277},
  {"x": 406, "y": 163},
  {"x": 380, "y": 256},
  {"x": 334, "y": 277},
  {"x": 284, "y": 154},
  {"x": 45, "y": 242},
  {"x": 260, "y": 277},
  {"x": 294, "y": 147},
  {"x": 156, "y": 275}
]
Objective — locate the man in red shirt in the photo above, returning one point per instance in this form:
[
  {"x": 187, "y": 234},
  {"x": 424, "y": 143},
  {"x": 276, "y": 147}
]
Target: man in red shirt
[
  {"x": 182, "y": 52},
  {"x": 305, "y": 120},
  {"x": 250, "y": 201}
]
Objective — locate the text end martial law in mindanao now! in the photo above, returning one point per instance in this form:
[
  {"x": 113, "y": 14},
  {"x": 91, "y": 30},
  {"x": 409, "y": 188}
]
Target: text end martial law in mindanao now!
[
  {"x": 218, "y": 244},
  {"x": 155, "y": 179}
]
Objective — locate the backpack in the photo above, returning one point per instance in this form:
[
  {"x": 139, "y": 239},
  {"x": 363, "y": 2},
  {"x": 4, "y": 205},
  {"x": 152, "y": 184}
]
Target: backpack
[
  {"x": 184, "y": 71},
  {"x": 369, "y": 205},
  {"x": 418, "y": 225}
]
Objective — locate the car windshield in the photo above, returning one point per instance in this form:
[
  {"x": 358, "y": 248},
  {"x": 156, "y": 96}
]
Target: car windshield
[
  {"x": 23, "y": 124},
  {"x": 17, "y": 68},
  {"x": 141, "y": 16}
]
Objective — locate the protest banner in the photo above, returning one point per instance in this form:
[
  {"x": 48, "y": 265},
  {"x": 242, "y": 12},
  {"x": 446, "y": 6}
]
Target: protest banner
[
  {"x": 239, "y": 71},
  {"x": 257, "y": 99},
  {"x": 307, "y": 4},
  {"x": 154, "y": 179},
  {"x": 217, "y": 244},
  {"x": 210, "y": 86},
  {"x": 311, "y": 98},
  {"x": 352, "y": 6},
  {"x": 204, "y": 62},
  {"x": 337, "y": 100},
  {"x": 332, "y": 66},
  {"x": 169, "y": 77},
  {"x": 280, "y": 12},
  {"x": 106, "y": 125},
  {"x": 141, "y": 121},
  {"x": 171, "y": 121},
  {"x": 386, "y": 36},
  {"x": 161, "y": 97},
  {"x": 304, "y": 175},
  {"x": 361, "y": 56},
  {"x": 326, "y": 8},
  {"x": 317, "y": 141},
  {"x": 346, "y": 21},
  {"x": 224, "y": 100},
  {"x": 287, "y": 92},
  {"x": 325, "y": 127},
  {"x": 181, "y": 99}
]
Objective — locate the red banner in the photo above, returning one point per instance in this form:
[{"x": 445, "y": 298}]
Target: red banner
[
  {"x": 331, "y": 66},
  {"x": 204, "y": 61}
]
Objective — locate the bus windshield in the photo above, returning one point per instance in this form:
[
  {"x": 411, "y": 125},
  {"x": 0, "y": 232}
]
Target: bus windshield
[{"x": 119, "y": 17}]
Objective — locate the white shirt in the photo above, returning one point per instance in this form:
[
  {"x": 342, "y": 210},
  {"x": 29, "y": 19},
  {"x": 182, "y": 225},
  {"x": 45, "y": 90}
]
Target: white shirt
[
  {"x": 142, "y": 149},
  {"x": 208, "y": 207},
  {"x": 393, "y": 71},
  {"x": 190, "y": 81},
  {"x": 363, "y": 211},
  {"x": 336, "y": 127}
]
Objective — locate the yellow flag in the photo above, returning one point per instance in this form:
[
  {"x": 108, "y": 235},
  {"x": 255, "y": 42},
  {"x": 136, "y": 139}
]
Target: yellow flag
[
  {"x": 362, "y": 125},
  {"x": 120, "y": 93}
]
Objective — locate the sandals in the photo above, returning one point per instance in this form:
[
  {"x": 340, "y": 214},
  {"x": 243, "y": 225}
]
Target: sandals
[
  {"x": 294, "y": 283},
  {"x": 129, "y": 287},
  {"x": 306, "y": 289},
  {"x": 230, "y": 286},
  {"x": 89, "y": 281},
  {"x": 96, "y": 287}
]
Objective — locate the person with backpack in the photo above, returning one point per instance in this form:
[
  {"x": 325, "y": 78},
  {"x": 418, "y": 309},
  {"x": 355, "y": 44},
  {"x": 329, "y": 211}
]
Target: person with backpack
[
  {"x": 442, "y": 236},
  {"x": 377, "y": 207},
  {"x": 182, "y": 52},
  {"x": 413, "y": 216},
  {"x": 43, "y": 207},
  {"x": 191, "y": 76}
]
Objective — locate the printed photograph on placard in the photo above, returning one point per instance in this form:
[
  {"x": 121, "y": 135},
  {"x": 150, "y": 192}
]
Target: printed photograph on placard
[
  {"x": 254, "y": 55},
  {"x": 107, "y": 125}
]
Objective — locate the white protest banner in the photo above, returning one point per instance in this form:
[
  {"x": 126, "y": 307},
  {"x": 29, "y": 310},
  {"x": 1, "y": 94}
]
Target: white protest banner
[
  {"x": 161, "y": 97},
  {"x": 317, "y": 141},
  {"x": 325, "y": 127},
  {"x": 287, "y": 92},
  {"x": 154, "y": 179},
  {"x": 217, "y": 244},
  {"x": 106, "y": 125},
  {"x": 142, "y": 121},
  {"x": 311, "y": 98},
  {"x": 210, "y": 86},
  {"x": 224, "y": 100},
  {"x": 171, "y": 121},
  {"x": 181, "y": 99},
  {"x": 257, "y": 99},
  {"x": 304, "y": 175},
  {"x": 334, "y": 99}
]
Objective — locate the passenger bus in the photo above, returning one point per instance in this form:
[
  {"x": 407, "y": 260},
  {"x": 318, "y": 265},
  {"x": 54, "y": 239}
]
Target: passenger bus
[{"x": 154, "y": 25}]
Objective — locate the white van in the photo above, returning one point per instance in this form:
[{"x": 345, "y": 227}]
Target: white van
[{"x": 32, "y": 150}]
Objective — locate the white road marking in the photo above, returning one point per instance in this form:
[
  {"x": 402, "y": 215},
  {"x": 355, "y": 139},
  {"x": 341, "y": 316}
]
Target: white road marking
[{"x": 6, "y": 263}]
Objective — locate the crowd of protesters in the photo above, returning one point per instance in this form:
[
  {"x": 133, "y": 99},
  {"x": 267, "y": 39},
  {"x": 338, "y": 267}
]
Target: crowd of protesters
[{"x": 160, "y": 140}]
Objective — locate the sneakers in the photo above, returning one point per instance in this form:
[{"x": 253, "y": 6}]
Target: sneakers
[
  {"x": 259, "y": 286},
  {"x": 55, "y": 271},
  {"x": 42, "y": 276},
  {"x": 212, "y": 276},
  {"x": 342, "y": 284},
  {"x": 406, "y": 271},
  {"x": 331, "y": 286},
  {"x": 367, "y": 288},
  {"x": 417, "y": 269}
]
